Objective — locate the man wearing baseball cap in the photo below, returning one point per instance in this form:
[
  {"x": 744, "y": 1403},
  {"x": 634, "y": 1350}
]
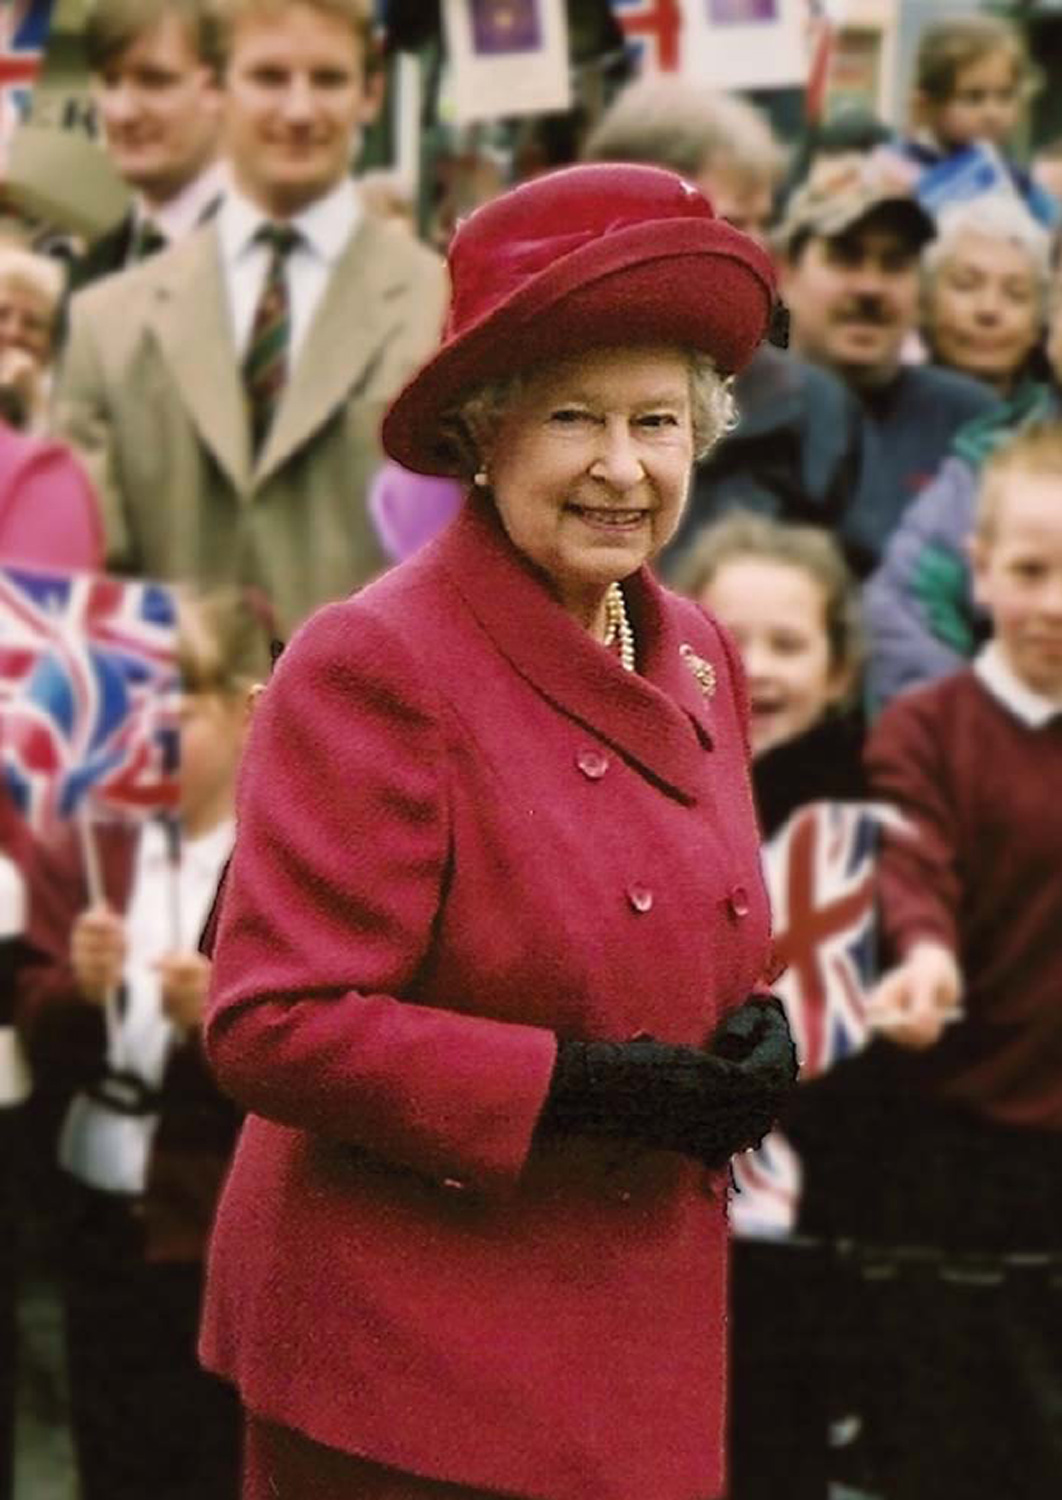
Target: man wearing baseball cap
[{"x": 848, "y": 252}]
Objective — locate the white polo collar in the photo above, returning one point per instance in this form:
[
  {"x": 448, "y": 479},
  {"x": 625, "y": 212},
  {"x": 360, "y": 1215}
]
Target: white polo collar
[{"x": 1027, "y": 705}]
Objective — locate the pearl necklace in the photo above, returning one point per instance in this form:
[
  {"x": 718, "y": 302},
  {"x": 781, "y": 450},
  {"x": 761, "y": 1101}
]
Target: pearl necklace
[{"x": 618, "y": 626}]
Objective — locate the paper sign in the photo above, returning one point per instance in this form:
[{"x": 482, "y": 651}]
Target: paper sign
[
  {"x": 745, "y": 44},
  {"x": 508, "y": 57}
]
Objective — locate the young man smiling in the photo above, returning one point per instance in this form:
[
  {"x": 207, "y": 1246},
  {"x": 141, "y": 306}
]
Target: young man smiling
[
  {"x": 156, "y": 67},
  {"x": 227, "y": 396}
]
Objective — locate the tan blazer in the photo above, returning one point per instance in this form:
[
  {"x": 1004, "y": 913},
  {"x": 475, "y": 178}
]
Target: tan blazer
[{"x": 150, "y": 394}]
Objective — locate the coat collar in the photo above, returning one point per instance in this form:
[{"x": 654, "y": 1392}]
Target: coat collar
[
  {"x": 658, "y": 717},
  {"x": 361, "y": 310},
  {"x": 189, "y": 314}
]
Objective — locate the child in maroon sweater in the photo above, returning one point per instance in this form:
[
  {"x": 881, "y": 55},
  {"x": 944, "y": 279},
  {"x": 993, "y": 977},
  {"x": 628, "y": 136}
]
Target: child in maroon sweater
[{"x": 972, "y": 906}]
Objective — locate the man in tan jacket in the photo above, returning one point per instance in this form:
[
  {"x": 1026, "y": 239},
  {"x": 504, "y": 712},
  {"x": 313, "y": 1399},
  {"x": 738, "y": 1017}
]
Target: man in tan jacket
[{"x": 226, "y": 395}]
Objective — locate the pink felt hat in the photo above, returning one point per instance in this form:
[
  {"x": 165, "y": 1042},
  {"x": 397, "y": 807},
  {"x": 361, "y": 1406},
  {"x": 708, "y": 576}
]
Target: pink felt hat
[{"x": 588, "y": 257}]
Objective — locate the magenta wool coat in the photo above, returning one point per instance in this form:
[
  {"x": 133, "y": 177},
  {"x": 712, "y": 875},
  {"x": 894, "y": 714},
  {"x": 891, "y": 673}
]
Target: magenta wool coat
[{"x": 463, "y": 829}]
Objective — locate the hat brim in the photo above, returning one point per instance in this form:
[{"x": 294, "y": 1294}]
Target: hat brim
[{"x": 696, "y": 284}]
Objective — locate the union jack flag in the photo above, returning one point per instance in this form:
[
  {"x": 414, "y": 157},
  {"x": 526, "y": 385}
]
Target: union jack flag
[
  {"x": 88, "y": 680},
  {"x": 23, "y": 37},
  {"x": 820, "y": 871},
  {"x": 653, "y": 32}
]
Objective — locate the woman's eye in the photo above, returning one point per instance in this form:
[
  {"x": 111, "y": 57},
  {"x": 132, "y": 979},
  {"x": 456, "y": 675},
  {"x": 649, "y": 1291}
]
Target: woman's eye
[
  {"x": 567, "y": 416},
  {"x": 658, "y": 419}
]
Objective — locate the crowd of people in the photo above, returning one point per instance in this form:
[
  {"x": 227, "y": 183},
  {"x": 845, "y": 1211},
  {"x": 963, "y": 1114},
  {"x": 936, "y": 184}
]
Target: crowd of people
[{"x": 473, "y": 1243}]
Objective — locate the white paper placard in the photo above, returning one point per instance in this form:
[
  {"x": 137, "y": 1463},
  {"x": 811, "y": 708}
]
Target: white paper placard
[
  {"x": 507, "y": 57},
  {"x": 745, "y": 44}
]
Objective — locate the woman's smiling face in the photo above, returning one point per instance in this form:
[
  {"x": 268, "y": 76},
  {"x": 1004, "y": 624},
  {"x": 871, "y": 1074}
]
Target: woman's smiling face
[{"x": 590, "y": 465}]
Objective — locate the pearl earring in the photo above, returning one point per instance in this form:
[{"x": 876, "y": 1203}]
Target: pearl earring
[{"x": 480, "y": 480}]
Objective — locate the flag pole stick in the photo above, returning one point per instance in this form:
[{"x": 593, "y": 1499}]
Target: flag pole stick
[
  {"x": 97, "y": 897},
  {"x": 173, "y": 865}
]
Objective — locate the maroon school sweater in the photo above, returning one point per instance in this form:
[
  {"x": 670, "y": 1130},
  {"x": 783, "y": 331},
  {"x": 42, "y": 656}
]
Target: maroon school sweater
[{"x": 983, "y": 875}]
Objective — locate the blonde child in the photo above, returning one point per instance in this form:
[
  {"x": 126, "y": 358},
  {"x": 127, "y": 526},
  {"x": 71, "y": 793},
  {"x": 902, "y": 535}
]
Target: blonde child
[
  {"x": 145, "y": 1138},
  {"x": 788, "y": 598},
  {"x": 973, "y": 81},
  {"x": 791, "y": 603},
  {"x": 972, "y": 906}
]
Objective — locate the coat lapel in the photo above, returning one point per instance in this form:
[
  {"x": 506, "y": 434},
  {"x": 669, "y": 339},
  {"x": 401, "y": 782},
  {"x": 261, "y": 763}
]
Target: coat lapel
[
  {"x": 659, "y": 717},
  {"x": 191, "y": 319},
  {"x": 354, "y": 320}
]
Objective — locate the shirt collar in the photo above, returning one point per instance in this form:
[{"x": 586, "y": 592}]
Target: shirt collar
[
  {"x": 1027, "y": 705},
  {"x": 180, "y": 214},
  {"x": 326, "y": 225}
]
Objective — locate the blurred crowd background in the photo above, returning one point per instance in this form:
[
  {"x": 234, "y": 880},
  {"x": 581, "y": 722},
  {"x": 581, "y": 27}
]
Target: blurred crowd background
[{"x": 223, "y": 226}]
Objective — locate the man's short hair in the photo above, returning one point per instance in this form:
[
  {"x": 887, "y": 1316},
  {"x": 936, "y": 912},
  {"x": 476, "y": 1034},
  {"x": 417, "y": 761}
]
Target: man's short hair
[
  {"x": 114, "y": 25},
  {"x": 358, "y": 15},
  {"x": 669, "y": 122}
]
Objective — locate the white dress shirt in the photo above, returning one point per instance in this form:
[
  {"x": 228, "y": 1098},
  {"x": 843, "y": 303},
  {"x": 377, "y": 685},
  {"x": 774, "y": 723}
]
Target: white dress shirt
[
  {"x": 167, "y": 910},
  {"x": 326, "y": 227}
]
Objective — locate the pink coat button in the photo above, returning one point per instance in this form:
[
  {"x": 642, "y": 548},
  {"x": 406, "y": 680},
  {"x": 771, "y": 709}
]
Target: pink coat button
[
  {"x": 738, "y": 901},
  {"x": 640, "y": 897},
  {"x": 592, "y": 763}
]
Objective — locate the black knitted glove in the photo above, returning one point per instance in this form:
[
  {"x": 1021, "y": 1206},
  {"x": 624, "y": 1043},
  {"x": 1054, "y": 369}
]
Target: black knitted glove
[
  {"x": 757, "y": 1035},
  {"x": 683, "y": 1099}
]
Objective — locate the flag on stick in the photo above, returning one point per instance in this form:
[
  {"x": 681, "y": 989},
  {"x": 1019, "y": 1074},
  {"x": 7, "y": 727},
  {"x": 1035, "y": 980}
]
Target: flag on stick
[
  {"x": 88, "y": 684},
  {"x": 24, "y": 26},
  {"x": 820, "y": 870},
  {"x": 653, "y": 32}
]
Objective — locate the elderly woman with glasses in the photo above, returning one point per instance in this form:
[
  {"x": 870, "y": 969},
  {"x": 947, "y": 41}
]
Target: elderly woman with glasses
[{"x": 490, "y": 961}]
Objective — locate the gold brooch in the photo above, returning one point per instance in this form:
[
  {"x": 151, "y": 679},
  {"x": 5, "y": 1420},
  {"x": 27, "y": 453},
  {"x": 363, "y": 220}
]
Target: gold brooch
[{"x": 701, "y": 669}]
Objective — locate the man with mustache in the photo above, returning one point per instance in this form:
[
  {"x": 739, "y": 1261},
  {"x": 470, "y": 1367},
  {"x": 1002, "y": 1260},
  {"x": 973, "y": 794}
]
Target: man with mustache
[{"x": 848, "y": 252}]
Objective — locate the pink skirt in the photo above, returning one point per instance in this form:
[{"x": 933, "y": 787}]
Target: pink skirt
[{"x": 282, "y": 1464}]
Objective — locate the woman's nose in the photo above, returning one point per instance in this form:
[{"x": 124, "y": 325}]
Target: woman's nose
[
  {"x": 618, "y": 462},
  {"x": 987, "y": 305}
]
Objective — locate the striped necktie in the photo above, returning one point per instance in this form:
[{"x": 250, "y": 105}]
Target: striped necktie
[
  {"x": 148, "y": 239},
  {"x": 265, "y": 367}
]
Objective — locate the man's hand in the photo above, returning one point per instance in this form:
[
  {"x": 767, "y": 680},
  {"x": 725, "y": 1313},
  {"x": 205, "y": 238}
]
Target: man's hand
[
  {"x": 97, "y": 953},
  {"x": 185, "y": 981},
  {"x": 913, "y": 1002}
]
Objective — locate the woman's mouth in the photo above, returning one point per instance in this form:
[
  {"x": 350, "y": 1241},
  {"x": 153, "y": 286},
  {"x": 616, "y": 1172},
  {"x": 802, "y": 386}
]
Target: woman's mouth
[{"x": 609, "y": 518}]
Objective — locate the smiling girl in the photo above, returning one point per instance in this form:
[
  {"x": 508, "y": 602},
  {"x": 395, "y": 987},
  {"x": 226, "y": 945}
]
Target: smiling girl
[{"x": 790, "y": 602}]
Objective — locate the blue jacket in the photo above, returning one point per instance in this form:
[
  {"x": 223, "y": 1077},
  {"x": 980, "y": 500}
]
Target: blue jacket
[{"x": 921, "y": 618}]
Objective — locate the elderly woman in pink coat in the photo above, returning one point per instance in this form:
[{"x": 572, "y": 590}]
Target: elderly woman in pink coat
[{"x": 489, "y": 966}]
